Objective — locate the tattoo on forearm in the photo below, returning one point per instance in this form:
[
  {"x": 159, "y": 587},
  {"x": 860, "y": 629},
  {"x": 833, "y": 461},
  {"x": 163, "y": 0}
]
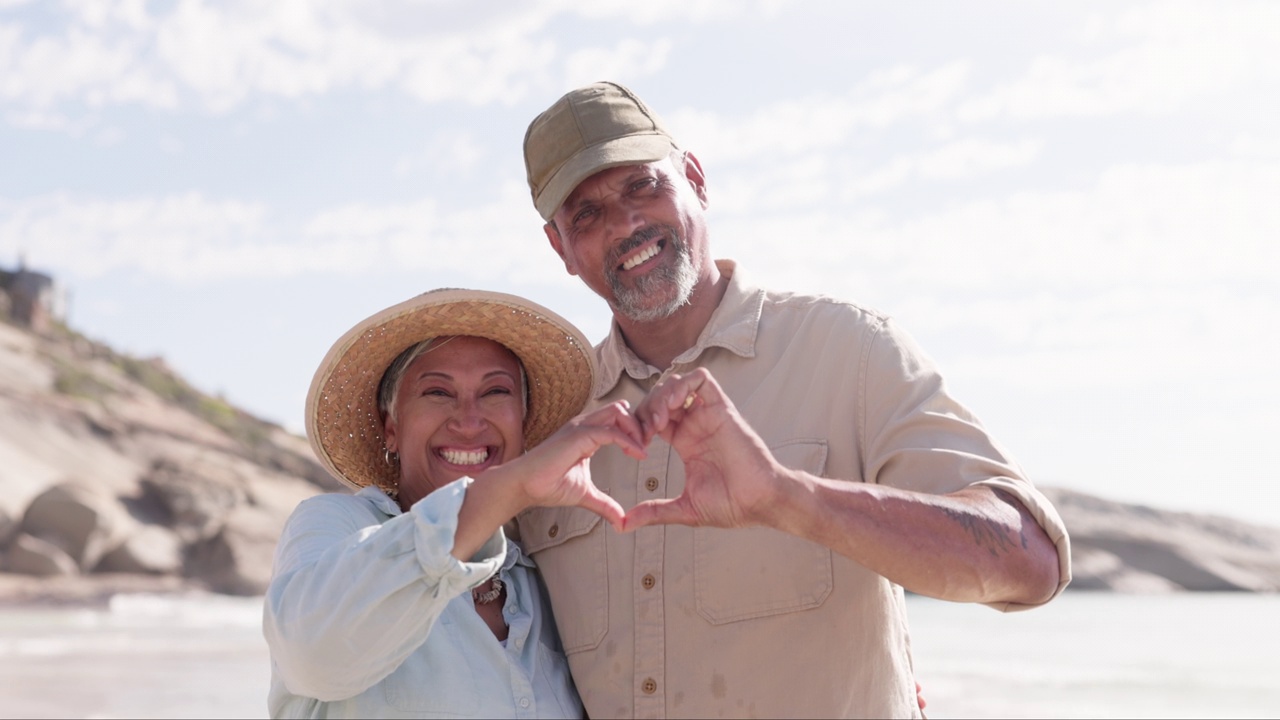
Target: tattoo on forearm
[{"x": 985, "y": 533}]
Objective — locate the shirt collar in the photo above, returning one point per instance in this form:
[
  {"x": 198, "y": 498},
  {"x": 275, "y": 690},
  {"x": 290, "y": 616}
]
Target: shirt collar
[{"x": 732, "y": 326}]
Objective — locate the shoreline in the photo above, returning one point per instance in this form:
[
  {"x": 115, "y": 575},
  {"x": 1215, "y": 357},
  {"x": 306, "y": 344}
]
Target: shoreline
[{"x": 89, "y": 591}]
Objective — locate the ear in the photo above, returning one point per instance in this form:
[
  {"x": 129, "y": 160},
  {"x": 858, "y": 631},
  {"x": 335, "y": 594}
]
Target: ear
[
  {"x": 693, "y": 173},
  {"x": 557, "y": 244},
  {"x": 389, "y": 433}
]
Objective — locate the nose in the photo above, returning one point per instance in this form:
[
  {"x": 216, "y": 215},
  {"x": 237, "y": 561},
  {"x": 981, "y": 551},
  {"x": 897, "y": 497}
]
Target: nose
[
  {"x": 622, "y": 217},
  {"x": 467, "y": 418}
]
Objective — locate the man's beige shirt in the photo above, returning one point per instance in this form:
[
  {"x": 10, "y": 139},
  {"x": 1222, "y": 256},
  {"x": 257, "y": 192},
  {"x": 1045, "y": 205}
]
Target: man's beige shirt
[{"x": 673, "y": 621}]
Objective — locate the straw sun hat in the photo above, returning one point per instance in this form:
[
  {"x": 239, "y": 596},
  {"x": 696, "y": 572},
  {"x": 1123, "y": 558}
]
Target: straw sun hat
[{"x": 342, "y": 405}]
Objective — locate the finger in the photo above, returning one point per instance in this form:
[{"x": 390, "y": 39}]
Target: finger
[
  {"x": 689, "y": 391},
  {"x": 605, "y": 414},
  {"x": 603, "y": 505},
  {"x": 618, "y": 415},
  {"x": 629, "y": 424},
  {"x": 655, "y": 411},
  {"x": 644, "y": 414},
  {"x": 657, "y": 512},
  {"x": 677, "y": 398},
  {"x": 620, "y": 437}
]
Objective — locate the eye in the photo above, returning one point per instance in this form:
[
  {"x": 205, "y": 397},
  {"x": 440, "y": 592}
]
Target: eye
[
  {"x": 643, "y": 186},
  {"x": 585, "y": 216},
  {"x": 435, "y": 392},
  {"x": 499, "y": 390}
]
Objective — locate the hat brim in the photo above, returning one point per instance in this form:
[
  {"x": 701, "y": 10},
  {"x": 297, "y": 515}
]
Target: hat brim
[
  {"x": 342, "y": 416},
  {"x": 629, "y": 150}
]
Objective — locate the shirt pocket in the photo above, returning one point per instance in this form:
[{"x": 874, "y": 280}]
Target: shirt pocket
[
  {"x": 568, "y": 544},
  {"x": 437, "y": 678},
  {"x": 747, "y": 573}
]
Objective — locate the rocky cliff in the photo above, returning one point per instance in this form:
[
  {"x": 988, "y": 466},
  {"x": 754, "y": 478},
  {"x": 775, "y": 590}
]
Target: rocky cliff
[
  {"x": 115, "y": 469},
  {"x": 116, "y": 474}
]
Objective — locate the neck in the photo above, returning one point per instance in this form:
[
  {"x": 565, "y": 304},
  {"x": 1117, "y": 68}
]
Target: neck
[{"x": 661, "y": 341}]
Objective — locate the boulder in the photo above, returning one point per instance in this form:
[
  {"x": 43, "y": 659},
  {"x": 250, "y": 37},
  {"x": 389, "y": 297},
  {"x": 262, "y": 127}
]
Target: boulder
[
  {"x": 9, "y": 526},
  {"x": 1127, "y": 547},
  {"x": 85, "y": 524},
  {"x": 153, "y": 550},
  {"x": 30, "y": 555},
  {"x": 237, "y": 560},
  {"x": 1096, "y": 569},
  {"x": 197, "y": 497}
]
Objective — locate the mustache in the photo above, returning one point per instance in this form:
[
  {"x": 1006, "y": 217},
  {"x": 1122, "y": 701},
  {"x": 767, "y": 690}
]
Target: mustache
[{"x": 635, "y": 240}]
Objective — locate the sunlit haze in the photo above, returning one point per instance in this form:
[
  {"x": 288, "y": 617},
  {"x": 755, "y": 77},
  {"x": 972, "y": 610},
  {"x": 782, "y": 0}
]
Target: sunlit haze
[{"x": 1072, "y": 206}]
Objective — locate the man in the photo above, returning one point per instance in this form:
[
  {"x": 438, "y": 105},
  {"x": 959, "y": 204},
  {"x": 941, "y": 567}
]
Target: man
[{"x": 808, "y": 463}]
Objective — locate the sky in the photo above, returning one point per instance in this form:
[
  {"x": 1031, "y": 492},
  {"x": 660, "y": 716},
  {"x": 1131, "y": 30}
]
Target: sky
[{"x": 1071, "y": 206}]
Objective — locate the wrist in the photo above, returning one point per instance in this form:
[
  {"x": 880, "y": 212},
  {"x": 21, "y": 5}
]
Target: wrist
[
  {"x": 500, "y": 491},
  {"x": 784, "y": 504}
]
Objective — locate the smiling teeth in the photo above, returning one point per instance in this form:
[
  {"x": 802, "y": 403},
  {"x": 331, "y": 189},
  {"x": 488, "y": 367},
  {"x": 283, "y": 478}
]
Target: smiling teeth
[
  {"x": 653, "y": 250},
  {"x": 465, "y": 457}
]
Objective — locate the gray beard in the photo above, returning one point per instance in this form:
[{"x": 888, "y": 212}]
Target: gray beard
[{"x": 664, "y": 290}]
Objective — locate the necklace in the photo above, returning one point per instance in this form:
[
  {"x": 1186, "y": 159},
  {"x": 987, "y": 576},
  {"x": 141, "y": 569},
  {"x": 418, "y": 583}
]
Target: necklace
[{"x": 487, "y": 596}]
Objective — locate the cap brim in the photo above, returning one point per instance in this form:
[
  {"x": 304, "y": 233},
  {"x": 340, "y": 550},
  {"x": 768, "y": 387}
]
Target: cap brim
[{"x": 630, "y": 150}]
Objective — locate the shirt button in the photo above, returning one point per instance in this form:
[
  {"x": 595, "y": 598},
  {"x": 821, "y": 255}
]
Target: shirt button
[
  {"x": 648, "y": 581},
  {"x": 511, "y": 609},
  {"x": 554, "y": 531},
  {"x": 649, "y": 686},
  {"x": 651, "y": 484},
  {"x": 524, "y": 702}
]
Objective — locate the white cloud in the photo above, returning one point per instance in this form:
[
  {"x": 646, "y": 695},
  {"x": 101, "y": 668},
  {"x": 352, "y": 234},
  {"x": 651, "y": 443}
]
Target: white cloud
[
  {"x": 192, "y": 238},
  {"x": 969, "y": 157},
  {"x": 796, "y": 126},
  {"x": 660, "y": 11},
  {"x": 1250, "y": 146},
  {"x": 839, "y": 176},
  {"x": 1156, "y": 272},
  {"x": 217, "y": 56},
  {"x": 1166, "y": 55},
  {"x": 179, "y": 236},
  {"x": 629, "y": 58}
]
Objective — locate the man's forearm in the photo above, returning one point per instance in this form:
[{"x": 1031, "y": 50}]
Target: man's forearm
[{"x": 974, "y": 545}]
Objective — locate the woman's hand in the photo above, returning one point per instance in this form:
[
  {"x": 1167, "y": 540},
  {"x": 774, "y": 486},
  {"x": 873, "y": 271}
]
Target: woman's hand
[{"x": 557, "y": 472}]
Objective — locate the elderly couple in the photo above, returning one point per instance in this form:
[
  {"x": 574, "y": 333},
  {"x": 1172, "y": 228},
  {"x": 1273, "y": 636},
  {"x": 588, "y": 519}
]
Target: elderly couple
[{"x": 729, "y": 528}]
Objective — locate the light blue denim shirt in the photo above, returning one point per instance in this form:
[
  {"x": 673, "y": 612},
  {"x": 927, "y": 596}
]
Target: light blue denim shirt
[{"x": 369, "y": 615}]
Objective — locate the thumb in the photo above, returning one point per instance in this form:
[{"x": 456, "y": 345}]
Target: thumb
[
  {"x": 658, "y": 512},
  {"x": 604, "y": 506}
]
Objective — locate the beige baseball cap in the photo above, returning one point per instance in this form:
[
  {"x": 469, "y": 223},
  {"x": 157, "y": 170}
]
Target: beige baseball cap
[{"x": 590, "y": 129}]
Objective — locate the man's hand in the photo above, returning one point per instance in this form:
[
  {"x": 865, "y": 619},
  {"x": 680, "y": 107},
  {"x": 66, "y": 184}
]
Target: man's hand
[{"x": 731, "y": 477}]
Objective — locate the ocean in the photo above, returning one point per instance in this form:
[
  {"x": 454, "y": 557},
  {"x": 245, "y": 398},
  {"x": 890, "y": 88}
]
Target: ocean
[{"x": 1084, "y": 655}]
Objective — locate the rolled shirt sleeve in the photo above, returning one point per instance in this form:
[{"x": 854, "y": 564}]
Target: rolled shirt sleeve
[
  {"x": 356, "y": 587},
  {"x": 918, "y": 437}
]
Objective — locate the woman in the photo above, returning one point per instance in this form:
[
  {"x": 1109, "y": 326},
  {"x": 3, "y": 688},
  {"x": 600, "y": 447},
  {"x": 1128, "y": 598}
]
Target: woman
[{"x": 406, "y": 599}]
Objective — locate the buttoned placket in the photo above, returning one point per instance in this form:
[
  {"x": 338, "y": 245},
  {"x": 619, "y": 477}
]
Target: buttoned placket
[
  {"x": 519, "y": 625},
  {"x": 649, "y": 604}
]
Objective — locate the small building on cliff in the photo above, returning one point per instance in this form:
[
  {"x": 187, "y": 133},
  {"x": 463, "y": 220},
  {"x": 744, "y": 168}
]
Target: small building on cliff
[{"x": 31, "y": 299}]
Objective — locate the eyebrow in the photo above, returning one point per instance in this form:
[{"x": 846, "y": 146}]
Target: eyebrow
[
  {"x": 439, "y": 374},
  {"x": 575, "y": 201}
]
